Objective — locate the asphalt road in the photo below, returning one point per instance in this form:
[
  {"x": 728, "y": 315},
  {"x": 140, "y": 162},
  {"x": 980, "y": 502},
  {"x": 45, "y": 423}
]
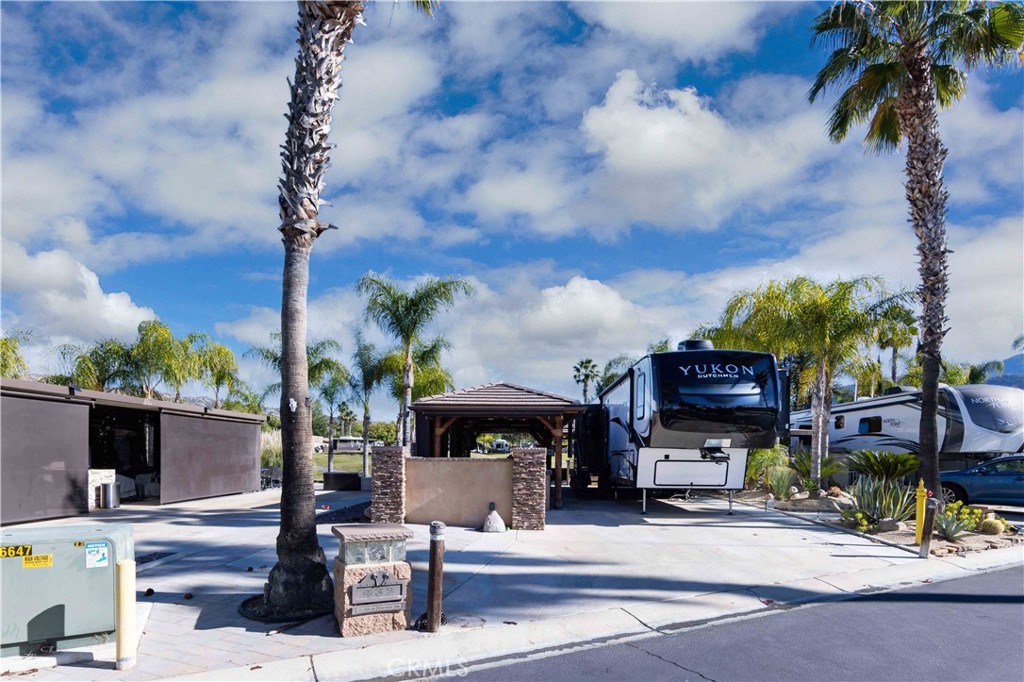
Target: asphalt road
[{"x": 967, "y": 629}]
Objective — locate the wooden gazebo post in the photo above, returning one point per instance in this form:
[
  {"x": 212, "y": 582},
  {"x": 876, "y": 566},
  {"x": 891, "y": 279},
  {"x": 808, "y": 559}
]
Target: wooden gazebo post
[{"x": 441, "y": 425}]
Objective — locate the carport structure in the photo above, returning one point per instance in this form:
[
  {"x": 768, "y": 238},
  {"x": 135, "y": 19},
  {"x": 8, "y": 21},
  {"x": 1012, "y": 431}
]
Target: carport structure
[{"x": 449, "y": 424}]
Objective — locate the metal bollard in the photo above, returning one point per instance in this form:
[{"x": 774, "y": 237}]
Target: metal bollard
[
  {"x": 435, "y": 576},
  {"x": 922, "y": 495},
  {"x": 931, "y": 506}
]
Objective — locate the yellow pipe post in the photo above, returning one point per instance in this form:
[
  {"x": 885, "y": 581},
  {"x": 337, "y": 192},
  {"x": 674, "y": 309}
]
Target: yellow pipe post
[
  {"x": 127, "y": 640},
  {"x": 922, "y": 495}
]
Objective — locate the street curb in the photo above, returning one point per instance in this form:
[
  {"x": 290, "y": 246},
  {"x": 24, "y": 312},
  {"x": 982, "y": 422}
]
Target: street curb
[{"x": 454, "y": 652}]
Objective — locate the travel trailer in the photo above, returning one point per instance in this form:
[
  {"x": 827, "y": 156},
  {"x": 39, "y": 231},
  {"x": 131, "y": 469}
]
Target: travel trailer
[
  {"x": 975, "y": 422},
  {"x": 682, "y": 420}
]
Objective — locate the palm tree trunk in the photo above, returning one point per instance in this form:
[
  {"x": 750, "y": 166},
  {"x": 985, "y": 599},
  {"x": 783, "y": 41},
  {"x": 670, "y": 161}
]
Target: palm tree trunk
[
  {"x": 821, "y": 411},
  {"x": 926, "y": 194},
  {"x": 366, "y": 441},
  {"x": 893, "y": 365},
  {"x": 407, "y": 397},
  {"x": 330, "y": 443},
  {"x": 299, "y": 584}
]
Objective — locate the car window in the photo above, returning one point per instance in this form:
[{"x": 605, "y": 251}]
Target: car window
[{"x": 1010, "y": 466}]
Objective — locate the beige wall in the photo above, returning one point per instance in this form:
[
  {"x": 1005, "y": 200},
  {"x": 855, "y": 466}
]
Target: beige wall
[{"x": 457, "y": 491}]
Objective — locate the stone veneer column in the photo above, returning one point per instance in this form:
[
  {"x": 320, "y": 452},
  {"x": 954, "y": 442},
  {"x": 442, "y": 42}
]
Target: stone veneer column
[
  {"x": 529, "y": 488},
  {"x": 97, "y": 477},
  {"x": 388, "y": 501}
]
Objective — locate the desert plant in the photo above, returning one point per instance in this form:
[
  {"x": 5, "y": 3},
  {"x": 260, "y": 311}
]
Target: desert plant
[
  {"x": 888, "y": 466},
  {"x": 780, "y": 479},
  {"x": 878, "y": 499},
  {"x": 761, "y": 460},
  {"x": 801, "y": 464},
  {"x": 992, "y": 527},
  {"x": 971, "y": 516},
  {"x": 951, "y": 526}
]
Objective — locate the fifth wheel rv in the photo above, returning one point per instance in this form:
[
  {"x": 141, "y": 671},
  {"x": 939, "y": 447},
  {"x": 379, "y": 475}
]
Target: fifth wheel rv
[
  {"x": 682, "y": 420},
  {"x": 975, "y": 422}
]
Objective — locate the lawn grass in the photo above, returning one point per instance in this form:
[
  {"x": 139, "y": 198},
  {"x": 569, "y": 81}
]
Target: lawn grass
[{"x": 343, "y": 461}]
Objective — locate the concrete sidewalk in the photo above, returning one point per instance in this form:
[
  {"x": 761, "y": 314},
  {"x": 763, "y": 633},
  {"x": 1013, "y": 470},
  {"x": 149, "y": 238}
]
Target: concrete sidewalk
[{"x": 600, "y": 571}]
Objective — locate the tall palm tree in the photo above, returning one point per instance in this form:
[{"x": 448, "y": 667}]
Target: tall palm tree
[
  {"x": 364, "y": 380},
  {"x": 899, "y": 62},
  {"x": 319, "y": 362},
  {"x": 299, "y": 584},
  {"x": 12, "y": 364},
  {"x": 897, "y": 331},
  {"x": 150, "y": 355},
  {"x": 978, "y": 374},
  {"x": 331, "y": 390},
  {"x": 405, "y": 315},
  {"x": 104, "y": 366},
  {"x": 830, "y": 322},
  {"x": 184, "y": 361},
  {"x": 431, "y": 377},
  {"x": 220, "y": 369},
  {"x": 585, "y": 372}
]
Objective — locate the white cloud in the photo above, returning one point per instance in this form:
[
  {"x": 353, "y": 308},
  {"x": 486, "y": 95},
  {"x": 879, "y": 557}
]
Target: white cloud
[
  {"x": 61, "y": 297},
  {"x": 694, "y": 31}
]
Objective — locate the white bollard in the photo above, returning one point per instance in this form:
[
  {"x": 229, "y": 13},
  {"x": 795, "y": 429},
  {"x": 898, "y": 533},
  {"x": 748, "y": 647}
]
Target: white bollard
[{"x": 127, "y": 639}]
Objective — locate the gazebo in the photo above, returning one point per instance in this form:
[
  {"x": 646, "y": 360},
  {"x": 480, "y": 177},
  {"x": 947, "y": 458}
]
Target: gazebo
[{"x": 448, "y": 425}]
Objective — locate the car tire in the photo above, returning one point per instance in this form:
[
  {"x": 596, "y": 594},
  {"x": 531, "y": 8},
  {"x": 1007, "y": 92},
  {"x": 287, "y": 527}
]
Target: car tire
[{"x": 953, "y": 493}]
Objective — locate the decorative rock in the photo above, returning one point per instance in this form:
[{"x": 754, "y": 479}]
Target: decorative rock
[
  {"x": 493, "y": 523},
  {"x": 793, "y": 490},
  {"x": 890, "y": 525}
]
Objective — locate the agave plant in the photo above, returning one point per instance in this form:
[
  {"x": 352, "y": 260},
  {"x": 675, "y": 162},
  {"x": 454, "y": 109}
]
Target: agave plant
[
  {"x": 875, "y": 499},
  {"x": 952, "y": 526},
  {"x": 888, "y": 466}
]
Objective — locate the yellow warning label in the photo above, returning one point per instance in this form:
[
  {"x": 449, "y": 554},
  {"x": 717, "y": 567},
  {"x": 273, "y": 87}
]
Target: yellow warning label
[{"x": 37, "y": 561}]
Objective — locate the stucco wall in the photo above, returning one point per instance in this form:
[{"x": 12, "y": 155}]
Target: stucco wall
[{"x": 457, "y": 491}]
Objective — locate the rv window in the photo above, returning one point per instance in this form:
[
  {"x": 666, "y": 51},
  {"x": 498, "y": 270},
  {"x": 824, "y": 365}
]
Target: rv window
[
  {"x": 840, "y": 422},
  {"x": 641, "y": 391},
  {"x": 870, "y": 425}
]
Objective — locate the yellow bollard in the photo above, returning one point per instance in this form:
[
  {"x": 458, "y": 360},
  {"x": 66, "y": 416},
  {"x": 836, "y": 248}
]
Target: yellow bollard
[
  {"x": 127, "y": 639},
  {"x": 922, "y": 495}
]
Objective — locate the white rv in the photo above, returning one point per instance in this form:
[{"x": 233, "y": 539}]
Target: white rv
[
  {"x": 681, "y": 420},
  {"x": 975, "y": 421}
]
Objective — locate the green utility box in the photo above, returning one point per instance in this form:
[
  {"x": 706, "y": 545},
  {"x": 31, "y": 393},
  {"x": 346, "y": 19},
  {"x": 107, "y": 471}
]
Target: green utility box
[{"x": 59, "y": 585}]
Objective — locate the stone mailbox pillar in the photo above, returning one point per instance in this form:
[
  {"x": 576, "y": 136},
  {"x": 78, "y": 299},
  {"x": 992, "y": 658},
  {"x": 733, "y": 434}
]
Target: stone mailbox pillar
[{"x": 372, "y": 579}]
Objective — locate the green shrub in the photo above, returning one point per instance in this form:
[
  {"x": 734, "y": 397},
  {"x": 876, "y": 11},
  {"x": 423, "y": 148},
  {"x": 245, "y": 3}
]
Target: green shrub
[
  {"x": 780, "y": 479},
  {"x": 888, "y": 466},
  {"x": 761, "y": 460},
  {"x": 830, "y": 466},
  {"x": 875, "y": 499}
]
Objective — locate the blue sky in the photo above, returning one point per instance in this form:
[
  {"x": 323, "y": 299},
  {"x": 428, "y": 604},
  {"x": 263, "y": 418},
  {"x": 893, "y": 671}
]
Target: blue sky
[{"x": 605, "y": 174}]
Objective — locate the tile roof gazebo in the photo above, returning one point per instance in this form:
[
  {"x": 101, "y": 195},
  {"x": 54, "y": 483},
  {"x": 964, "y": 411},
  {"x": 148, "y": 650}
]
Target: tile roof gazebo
[{"x": 449, "y": 424}]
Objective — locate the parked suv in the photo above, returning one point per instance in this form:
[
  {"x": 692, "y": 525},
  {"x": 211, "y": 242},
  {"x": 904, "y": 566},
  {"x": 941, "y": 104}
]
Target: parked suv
[{"x": 997, "y": 481}]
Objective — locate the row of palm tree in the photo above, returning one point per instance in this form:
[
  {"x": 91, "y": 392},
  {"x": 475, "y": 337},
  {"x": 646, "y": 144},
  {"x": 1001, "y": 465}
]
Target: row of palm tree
[{"x": 142, "y": 368}]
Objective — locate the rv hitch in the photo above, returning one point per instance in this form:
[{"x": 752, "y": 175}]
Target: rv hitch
[{"x": 714, "y": 454}]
